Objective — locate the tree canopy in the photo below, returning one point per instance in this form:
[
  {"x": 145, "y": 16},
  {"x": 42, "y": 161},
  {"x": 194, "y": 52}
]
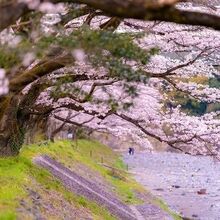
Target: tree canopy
[{"x": 126, "y": 67}]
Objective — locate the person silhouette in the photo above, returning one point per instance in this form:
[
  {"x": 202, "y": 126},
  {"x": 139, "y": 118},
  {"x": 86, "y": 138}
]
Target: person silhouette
[{"x": 131, "y": 151}]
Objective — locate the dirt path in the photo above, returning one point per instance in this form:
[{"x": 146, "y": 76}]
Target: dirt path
[
  {"x": 82, "y": 187},
  {"x": 138, "y": 215}
]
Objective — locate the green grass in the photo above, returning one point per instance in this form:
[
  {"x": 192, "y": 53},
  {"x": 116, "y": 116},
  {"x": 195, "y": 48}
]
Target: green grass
[
  {"x": 18, "y": 172},
  {"x": 12, "y": 178},
  {"x": 165, "y": 207},
  {"x": 91, "y": 154}
]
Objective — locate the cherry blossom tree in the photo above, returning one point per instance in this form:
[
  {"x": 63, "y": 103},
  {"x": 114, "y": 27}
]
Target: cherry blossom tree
[{"x": 113, "y": 73}]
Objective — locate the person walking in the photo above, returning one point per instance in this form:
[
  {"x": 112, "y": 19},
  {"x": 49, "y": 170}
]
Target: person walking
[{"x": 131, "y": 151}]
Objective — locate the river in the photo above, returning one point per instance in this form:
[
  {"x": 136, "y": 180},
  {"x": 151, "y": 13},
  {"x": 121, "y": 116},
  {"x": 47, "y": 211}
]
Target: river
[{"x": 190, "y": 185}]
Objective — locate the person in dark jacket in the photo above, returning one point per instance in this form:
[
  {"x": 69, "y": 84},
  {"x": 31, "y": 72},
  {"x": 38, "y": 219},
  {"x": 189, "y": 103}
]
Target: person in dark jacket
[{"x": 131, "y": 151}]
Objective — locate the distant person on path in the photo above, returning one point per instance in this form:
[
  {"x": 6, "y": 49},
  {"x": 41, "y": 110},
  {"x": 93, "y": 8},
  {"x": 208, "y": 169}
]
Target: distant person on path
[
  {"x": 131, "y": 151},
  {"x": 70, "y": 135}
]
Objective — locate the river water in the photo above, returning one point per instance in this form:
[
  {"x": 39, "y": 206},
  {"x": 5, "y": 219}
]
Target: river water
[{"x": 189, "y": 185}]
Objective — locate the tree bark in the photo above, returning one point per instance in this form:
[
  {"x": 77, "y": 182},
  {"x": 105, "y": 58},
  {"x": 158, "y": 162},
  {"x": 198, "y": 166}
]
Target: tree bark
[
  {"x": 138, "y": 9},
  {"x": 15, "y": 118},
  {"x": 12, "y": 128},
  {"x": 36, "y": 129}
]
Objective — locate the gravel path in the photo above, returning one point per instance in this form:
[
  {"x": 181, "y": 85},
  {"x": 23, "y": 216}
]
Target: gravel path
[
  {"x": 138, "y": 215},
  {"x": 82, "y": 187},
  {"x": 91, "y": 191},
  {"x": 190, "y": 185}
]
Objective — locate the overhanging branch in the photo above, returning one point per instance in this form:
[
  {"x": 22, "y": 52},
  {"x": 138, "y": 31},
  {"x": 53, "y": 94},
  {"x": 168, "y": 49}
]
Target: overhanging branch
[
  {"x": 138, "y": 9},
  {"x": 153, "y": 10}
]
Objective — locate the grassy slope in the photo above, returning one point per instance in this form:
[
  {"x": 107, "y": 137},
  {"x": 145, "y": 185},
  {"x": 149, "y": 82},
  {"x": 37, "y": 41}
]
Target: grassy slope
[{"x": 18, "y": 173}]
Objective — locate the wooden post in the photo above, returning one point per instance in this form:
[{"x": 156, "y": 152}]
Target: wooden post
[
  {"x": 113, "y": 171},
  {"x": 76, "y": 142}
]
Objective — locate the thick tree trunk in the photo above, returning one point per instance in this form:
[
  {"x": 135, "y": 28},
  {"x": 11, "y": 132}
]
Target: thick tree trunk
[
  {"x": 15, "y": 117},
  {"x": 12, "y": 127},
  {"x": 11, "y": 141},
  {"x": 36, "y": 130}
]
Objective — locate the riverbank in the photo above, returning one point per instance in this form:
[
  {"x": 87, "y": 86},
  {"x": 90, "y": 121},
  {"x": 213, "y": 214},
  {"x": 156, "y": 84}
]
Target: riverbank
[{"x": 189, "y": 185}]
